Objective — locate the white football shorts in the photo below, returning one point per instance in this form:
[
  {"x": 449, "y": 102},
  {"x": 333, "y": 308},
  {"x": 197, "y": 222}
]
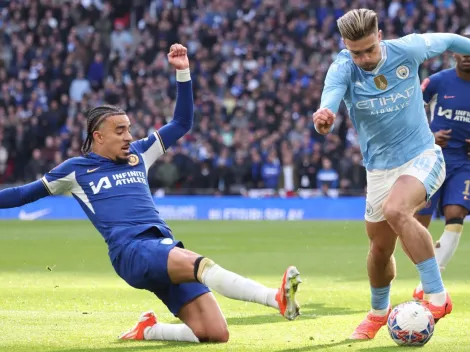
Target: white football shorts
[{"x": 428, "y": 167}]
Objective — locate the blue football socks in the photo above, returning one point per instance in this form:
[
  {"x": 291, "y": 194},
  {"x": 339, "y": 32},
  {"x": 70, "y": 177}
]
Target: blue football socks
[
  {"x": 430, "y": 276},
  {"x": 380, "y": 297}
]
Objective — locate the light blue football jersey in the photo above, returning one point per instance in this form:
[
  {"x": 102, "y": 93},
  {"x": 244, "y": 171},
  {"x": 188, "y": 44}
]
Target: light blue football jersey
[{"x": 386, "y": 104}]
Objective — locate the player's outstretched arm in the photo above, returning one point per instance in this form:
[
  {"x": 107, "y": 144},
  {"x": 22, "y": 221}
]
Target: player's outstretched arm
[
  {"x": 17, "y": 196},
  {"x": 333, "y": 92},
  {"x": 155, "y": 145},
  {"x": 429, "y": 45},
  {"x": 184, "y": 110}
]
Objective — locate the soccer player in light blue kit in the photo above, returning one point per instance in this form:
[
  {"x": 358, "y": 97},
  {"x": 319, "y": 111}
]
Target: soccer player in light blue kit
[
  {"x": 378, "y": 80},
  {"x": 447, "y": 94},
  {"x": 110, "y": 184}
]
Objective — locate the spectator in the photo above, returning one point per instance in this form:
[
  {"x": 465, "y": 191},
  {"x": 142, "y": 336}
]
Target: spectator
[
  {"x": 167, "y": 172},
  {"x": 327, "y": 177},
  {"x": 257, "y": 67},
  {"x": 271, "y": 171},
  {"x": 289, "y": 177},
  {"x": 35, "y": 167},
  {"x": 79, "y": 87}
]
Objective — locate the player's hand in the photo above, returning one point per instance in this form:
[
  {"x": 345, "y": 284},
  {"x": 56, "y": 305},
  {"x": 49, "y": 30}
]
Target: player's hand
[
  {"x": 178, "y": 57},
  {"x": 442, "y": 137},
  {"x": 323, "y": 119}
]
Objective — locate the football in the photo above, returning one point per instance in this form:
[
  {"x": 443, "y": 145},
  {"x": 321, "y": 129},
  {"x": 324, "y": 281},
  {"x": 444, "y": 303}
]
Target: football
[{"x": 410, "y": 324}]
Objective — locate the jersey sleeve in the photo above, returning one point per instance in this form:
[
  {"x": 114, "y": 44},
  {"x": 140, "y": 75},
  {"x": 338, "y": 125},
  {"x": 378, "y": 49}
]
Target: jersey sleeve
[
  {"x": 421, "y": 47},
  {"x": 150, "y": 148},
  {"x": 60, "y": 179},
  {"x": 21, "y": 195},
  {"x": 336, "y": 84}
]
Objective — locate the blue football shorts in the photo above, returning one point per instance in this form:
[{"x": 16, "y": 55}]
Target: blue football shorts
[
  {"x": 454, "y": 191},
  {"x": 143, "y": 264}
]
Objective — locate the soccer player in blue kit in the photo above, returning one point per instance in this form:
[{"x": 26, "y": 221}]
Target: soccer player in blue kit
[
  {"x": 447, "y": 94},
  {"x": 110, "y": 183},
  {"x": 378, "y": 80}
]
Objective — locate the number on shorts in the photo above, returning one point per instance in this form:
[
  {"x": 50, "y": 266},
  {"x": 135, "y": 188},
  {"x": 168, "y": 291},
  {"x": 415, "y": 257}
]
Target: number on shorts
[{"x": 467, "y": 188}]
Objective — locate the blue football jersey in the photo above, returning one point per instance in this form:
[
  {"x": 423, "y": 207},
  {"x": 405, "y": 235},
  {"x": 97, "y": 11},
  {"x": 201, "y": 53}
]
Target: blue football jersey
[
  {"x": 448, "y": 97},
  {"x": 115, "y": 196},
  {"x": 386, "y": 104}
]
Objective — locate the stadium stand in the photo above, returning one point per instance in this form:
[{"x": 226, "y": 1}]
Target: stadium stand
[{"x": 257, "y": 66}]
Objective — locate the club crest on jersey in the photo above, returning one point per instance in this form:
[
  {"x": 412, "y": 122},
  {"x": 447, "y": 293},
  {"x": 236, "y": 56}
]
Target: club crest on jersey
[
  {"x": 133, "y": 160},
  {"x": 403, "y": 72},
  {"x": 381, "y": 82}
]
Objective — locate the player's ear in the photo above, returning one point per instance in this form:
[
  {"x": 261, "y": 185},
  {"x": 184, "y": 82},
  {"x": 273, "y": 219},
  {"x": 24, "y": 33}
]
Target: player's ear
[
  {"x": 380, "y": 35},
  {"x": 98, "y": 137}
]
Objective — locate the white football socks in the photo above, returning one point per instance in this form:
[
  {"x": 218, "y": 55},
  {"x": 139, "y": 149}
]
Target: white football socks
[
  {"x": 234, "y": 286},
  {"x": 380, "y": 312},
  {"x": 437, "y": 299},
  {"x": 170, "y": 332},
  {"x": 447, "y": 244}
]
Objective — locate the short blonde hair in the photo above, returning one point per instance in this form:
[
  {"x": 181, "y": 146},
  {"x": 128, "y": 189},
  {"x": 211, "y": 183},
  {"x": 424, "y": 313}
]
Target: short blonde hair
[{"x": 357, "y": 24}]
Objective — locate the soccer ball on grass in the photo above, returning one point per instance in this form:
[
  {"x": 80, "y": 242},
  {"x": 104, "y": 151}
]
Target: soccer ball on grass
[{"x": 410, "y": 324}]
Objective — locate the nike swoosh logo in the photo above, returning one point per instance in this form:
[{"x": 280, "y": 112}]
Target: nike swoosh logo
[
  {"x": 92, "y": 170},
  {"x": 449, "y": 96},
  {"x": 33, "y": 215}
]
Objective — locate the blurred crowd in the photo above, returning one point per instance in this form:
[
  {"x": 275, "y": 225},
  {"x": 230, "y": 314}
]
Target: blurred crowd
[{"x": 257, "y": 67}]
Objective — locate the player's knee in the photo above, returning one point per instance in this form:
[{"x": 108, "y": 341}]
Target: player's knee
[
  {"x": 394, "y": 214},
  {"x": 222, "y": 335},
  {"x": 455, "y": 214},
  {"x": 218, "y": 335},
  {"x": 382, "y": 251}
]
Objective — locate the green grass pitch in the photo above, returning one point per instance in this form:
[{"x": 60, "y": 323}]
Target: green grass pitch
[{"x": 58, "y": 291}]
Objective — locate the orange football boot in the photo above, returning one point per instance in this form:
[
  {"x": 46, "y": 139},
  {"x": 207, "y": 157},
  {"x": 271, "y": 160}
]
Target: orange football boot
[
  {"x": 146, "y": 320},
  {"x": 285, "y": 296},
  {"x": 370, "y": 326}
]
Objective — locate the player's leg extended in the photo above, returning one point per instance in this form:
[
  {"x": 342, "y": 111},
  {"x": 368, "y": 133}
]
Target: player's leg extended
[
  {"x": 187, "y": 266},
  {"x": 170, "y": 272},
  {"x": 424, "y": 216},
  {"x": 381, "y": 270},
  {"x": 408, "y": 195}
]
